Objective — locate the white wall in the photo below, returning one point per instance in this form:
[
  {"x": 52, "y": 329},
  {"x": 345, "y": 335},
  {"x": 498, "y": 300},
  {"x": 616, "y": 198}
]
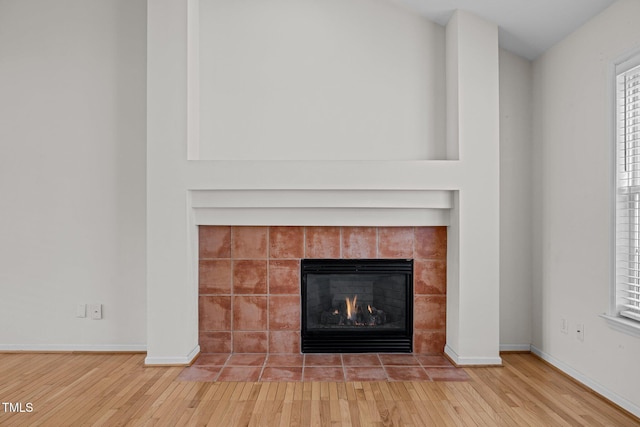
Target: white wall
[
  {"x": 72, "y": 173},
  {"x": 573, "y": 137},
  {"x": 515, "y": 202},
  {"x": 319, "y": 80}
]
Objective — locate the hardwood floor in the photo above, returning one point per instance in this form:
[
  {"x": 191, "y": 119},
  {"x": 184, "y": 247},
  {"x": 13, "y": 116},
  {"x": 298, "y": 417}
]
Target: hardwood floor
[{"x": 111, "y": 390}]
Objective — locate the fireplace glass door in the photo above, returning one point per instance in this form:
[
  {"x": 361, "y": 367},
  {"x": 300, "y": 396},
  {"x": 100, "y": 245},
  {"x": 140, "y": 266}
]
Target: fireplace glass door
[{"x": 357, "y": 305}]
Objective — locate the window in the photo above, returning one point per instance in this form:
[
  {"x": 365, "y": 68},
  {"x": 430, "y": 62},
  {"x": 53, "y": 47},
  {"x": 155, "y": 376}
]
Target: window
[{"x": 628, "y": 190}]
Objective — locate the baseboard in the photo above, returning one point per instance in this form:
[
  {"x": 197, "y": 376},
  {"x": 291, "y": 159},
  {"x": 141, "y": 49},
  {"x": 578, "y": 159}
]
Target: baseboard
[
  {"x": 73, "y": 348},
  {"x": 515, "y": 348},
  {"x": 471, "y": 361},
  {"x": 173, "y": 360},
  {"x": 588, "y": 382}
]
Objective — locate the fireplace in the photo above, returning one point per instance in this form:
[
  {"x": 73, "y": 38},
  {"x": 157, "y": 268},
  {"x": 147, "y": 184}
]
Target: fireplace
[
  {"x": 250, "y": 284},
  {"x": 357, "y": 305}
]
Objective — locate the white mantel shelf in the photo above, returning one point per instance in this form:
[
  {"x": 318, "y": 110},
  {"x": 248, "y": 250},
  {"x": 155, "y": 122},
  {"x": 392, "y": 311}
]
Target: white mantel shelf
[{"x": 321, "y": 207}]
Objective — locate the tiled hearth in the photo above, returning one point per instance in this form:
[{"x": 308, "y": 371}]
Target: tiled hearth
[
  {"x": 322, "y": 367},
  {"x": 249, "y": 281}
]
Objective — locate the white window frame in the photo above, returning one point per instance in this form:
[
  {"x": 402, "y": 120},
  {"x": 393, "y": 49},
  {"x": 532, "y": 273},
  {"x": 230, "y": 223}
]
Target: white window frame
[{"x": 626, "y": 205}]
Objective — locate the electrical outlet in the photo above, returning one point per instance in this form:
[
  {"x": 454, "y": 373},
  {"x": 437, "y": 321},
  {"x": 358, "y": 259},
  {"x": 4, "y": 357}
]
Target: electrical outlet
[
  {"x": 81, "y": 310},
  {"x": 96, "y": 311},
  {"x": 564, "y": 326},
  {"x": 580, "y": 331}
]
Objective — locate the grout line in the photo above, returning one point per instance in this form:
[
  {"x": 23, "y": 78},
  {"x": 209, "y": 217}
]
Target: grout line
[
  {"x": 232, "y": 296},
  {"x": 304, "y": 241},
  {"x": 384, "y": 367},
  {"x": 223, "y": 366},
  {"x": 413, "y": 242},
  {"x": 264, "y": 364},
  {"x": 268, "y": 296}
]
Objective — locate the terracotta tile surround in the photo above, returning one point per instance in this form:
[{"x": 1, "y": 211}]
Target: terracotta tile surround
[{"x": 249, "y": 285}]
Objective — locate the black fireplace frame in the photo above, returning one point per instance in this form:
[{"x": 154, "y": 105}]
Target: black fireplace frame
[{"x": 364, "y": 340}]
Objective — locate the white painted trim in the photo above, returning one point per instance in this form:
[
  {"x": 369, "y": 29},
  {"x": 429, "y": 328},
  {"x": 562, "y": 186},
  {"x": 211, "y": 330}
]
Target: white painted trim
[
  {"x": 451, "y": 353},
  {"x": 515, "y": 347},
  {"x": 322, "y": 207},
  {"x": 323, "y": 217},
  {"x": 480, "y": 361},
  {"x": 471, "y": 361},
  {"x": 365, "y": 198},
  {"x": 588, "y": 382},
  {"x": 74, "y": 347},
  {"x": 621, "y": 324},
  {"x": 174, "y": 360}
]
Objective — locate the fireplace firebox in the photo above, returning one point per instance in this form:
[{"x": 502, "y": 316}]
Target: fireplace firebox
[{"x": 357, "y": 305}]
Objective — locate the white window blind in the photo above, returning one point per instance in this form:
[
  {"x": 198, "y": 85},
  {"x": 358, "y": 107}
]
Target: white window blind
[{"x": 628, "y": 194}]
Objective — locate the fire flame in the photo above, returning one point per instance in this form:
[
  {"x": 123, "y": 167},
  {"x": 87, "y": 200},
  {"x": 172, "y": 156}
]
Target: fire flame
[
  {"x": 351, "y": 306},
  {"x": 369, "y": 308}
]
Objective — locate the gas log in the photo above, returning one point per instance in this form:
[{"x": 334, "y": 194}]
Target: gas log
[{"x": 369, "y": 316}]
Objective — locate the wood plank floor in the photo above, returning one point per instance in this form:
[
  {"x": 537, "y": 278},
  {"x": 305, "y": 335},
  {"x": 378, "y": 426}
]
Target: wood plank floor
[{"x": 112, "y": 390}]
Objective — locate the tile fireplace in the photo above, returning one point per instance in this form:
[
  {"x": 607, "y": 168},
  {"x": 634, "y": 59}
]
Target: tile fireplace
[{"x": 250, "y": 281}]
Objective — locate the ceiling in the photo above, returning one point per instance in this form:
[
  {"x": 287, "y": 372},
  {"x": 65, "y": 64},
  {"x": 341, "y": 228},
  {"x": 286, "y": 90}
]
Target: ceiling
[{"x": 526, "y": 27}]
